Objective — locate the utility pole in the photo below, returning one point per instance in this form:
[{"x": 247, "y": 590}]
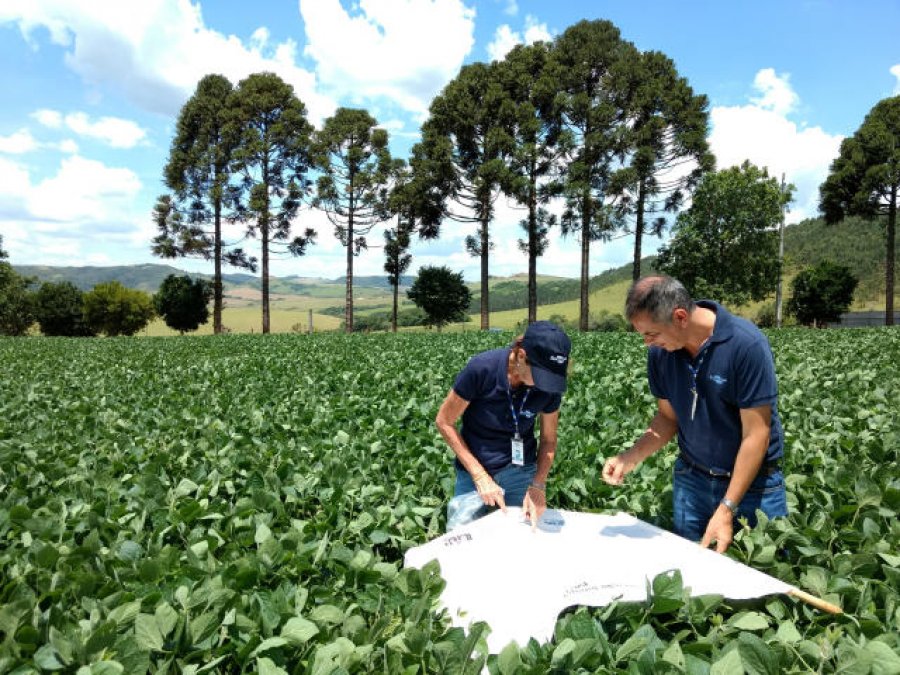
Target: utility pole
[{"x": 778, "y": 292}]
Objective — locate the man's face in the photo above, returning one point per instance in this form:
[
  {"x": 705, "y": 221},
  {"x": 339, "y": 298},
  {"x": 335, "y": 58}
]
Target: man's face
[{"x": 669, "y": 336}]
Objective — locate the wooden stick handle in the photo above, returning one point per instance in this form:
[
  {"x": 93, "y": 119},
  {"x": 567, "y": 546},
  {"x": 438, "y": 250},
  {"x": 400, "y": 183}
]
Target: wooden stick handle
[{"x": 818, "y": 603}]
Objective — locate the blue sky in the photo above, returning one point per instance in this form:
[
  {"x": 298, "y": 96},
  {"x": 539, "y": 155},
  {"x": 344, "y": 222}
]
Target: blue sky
[{"x": 93, "y": 89}]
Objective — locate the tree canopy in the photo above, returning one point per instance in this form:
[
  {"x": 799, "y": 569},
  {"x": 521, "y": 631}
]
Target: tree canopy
[
  {"x": 183, "y": 303},
  {"x": 441, "y": 294},
  {"x": 820, "y": 294},
  {"x": 725, "y": 246},
  {"x": 59, "y": 310},
  {"x": 112, "y": 309}
]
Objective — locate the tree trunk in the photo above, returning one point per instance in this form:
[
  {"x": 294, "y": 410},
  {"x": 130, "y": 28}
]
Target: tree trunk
[
  {"x": 532, "y": 249},
  {"x": 264, "y": 229},
  {"x": 485, "y": 250},
  {"x": 394, "y": 313},
  {"x": 585, "y": 261},
  {"x": 217, "y": 274},
  {"x": 348, "y": 298},
  {"x": 889, "y": 262},
  {"x": 638, "y": 233}
]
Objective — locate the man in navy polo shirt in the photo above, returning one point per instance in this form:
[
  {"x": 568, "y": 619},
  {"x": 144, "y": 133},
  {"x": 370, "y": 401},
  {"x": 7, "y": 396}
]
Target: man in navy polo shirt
[
  {"x": 714, "y": 379},
  {"x": 499, "y": 395}
]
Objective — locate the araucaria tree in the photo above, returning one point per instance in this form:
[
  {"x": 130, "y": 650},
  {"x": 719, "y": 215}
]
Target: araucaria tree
[
  {"x": 666, "y": 151},
  {"x": 352, "y": 154},
  {"x": 272, "y": 159},
  {"x": 400, "y": 204},
  {"x": 198, "y": 173},
  {"x": 590, "y": 60},
  {"x": 539, "y": 145},
  {"x": 865, "y": 181},
  {"x": 459, "y": 162},
  {"x": 725, "y": 246}
]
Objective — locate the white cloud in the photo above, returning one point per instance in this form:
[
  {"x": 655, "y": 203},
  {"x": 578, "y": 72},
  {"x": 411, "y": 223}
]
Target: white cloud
[
  {"x": 762, "y": 133},
  {"x": 155, "y": 51},
  {"x": 52, "y": 119},
  {"x": 114, "y": 131},
  {"x": 895, "y": 71},
  {"x": 505, "y": 38},
  {"x": 775, "y": 92},
  {"x": 512, "y": 7},
  {"x": 406, "y": 50},
  {"x": 18, "y": 143}
]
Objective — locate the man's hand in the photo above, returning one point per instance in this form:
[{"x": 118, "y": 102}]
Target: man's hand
[
  {"x": 491, "y": 493},
  {"x": 534, "y": 504},
  {"x": 720, "y": 529},
  {"x": 616, "y": 468}
]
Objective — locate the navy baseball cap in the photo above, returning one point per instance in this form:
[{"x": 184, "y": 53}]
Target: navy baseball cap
[{"x": 547, "y": 347}]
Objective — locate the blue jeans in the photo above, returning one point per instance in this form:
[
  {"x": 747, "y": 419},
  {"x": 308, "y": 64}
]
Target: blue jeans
[
  {"x": 467, "y": 505},
  {"x": 696, "y": 496}
]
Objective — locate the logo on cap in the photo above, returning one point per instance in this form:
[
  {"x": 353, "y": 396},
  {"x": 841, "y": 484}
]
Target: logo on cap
[{"x": 558, "y": 358}]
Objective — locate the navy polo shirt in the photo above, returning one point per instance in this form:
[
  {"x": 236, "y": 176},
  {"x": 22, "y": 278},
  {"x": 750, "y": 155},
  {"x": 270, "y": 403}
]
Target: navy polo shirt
[
  {"x": 487, "y": 422},
  {"x": 735, "y": 369}
]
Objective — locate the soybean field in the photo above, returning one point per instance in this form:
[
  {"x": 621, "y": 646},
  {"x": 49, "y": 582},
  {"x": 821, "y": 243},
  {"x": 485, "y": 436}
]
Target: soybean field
[{"x": 242, "y": 504}]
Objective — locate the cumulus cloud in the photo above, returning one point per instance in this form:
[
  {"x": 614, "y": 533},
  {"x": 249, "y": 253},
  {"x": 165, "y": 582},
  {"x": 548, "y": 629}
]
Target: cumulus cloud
[
  {"x": 512, "y": 7},
  {"x": 505, "y": 38},
  {"x": 895, "y": 71},
  {"x": 156, "y": 51},
  {"x": 113, "y": 131},
  {"x": 18, "y": 143},
  {"x": 762, "y": 133},
  {"x": 406, "y": 50},
  {"x": 51, "y": 119},
  {"x": 56, "y": 220}
]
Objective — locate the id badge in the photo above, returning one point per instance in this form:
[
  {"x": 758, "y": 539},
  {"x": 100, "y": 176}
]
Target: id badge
[{"x": 518, "y": 451}]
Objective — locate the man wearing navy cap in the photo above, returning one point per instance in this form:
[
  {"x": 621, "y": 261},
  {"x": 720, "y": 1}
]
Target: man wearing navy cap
[
  {"x": 713, "y": 376},
  {"x": 499, "y": 395}
]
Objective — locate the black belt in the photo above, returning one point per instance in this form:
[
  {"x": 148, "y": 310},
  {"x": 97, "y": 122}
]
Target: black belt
[{"x": 767, "y": 468}]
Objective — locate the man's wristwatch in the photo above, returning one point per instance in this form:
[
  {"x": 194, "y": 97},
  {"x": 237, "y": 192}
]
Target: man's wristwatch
[{"x": 730, "y": 505}]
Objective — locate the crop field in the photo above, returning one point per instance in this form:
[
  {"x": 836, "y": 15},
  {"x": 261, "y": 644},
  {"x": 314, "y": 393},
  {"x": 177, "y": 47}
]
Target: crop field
[{"x": 242, "y": 503}]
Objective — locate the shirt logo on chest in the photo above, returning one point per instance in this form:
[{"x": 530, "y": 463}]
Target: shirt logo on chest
[{"x": 718, "y": 379}]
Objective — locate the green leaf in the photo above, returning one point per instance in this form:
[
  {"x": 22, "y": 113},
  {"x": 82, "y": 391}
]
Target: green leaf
[
  {"x": 125, "y": 614},
  {"x": 668, "y": 592},
  {"x": 298, "y": 631},
  {"x": 45, "y": 658},
  {"x": 787, "y": 632},
  {"x": 266, "y": 666},
  {"x": 263, "y": 534},
  {"x": 166, "y": 618},
  {"x": 269, "y": 643},
  {"x": 203, "y": 626},
  {"x": 674, "y": 655},
  {"x": 885, "y": 661},
  {"x": 147, "y": 634},
  {"x": 749, "y": 621},
  {"x": 757, "y": 657},
  {"x": 102, "y": 637},
  {"x": 509, "y": 660},
  {"x": 728, "y": 664},
  {"x": 326, "y": 614}
]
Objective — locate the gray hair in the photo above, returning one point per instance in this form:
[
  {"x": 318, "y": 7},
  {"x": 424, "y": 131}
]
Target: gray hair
[{"x": 658, "y": 296}]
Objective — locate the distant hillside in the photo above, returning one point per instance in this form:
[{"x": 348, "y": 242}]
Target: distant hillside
[
  {"x": 149, "y": 277},
  {"x": 142, "y": 277},
  {"x": 859, "y": 244}
]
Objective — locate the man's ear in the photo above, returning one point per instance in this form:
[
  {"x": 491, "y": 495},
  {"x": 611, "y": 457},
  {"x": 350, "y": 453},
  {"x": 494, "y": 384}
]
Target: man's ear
[{"x": 680, "y": 317}]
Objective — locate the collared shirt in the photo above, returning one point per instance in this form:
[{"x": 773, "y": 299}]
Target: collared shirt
[
  {"x": 487, "y": 423},
  {"x": 735, "y": 370}
]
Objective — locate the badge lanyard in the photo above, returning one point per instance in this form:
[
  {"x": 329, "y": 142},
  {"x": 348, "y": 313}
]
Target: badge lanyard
[
  {"x": 694, "y": 372},
  {"x": 518, "y": 445}
]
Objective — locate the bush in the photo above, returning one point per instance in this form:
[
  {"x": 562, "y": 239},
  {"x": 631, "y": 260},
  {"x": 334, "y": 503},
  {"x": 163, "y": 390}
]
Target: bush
[
  {"x": 183, "y": 302},
  {"x": 16, "y": 302},
  {"x": 112, "y": 309},
  {"x": 59, "y": 310}
]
